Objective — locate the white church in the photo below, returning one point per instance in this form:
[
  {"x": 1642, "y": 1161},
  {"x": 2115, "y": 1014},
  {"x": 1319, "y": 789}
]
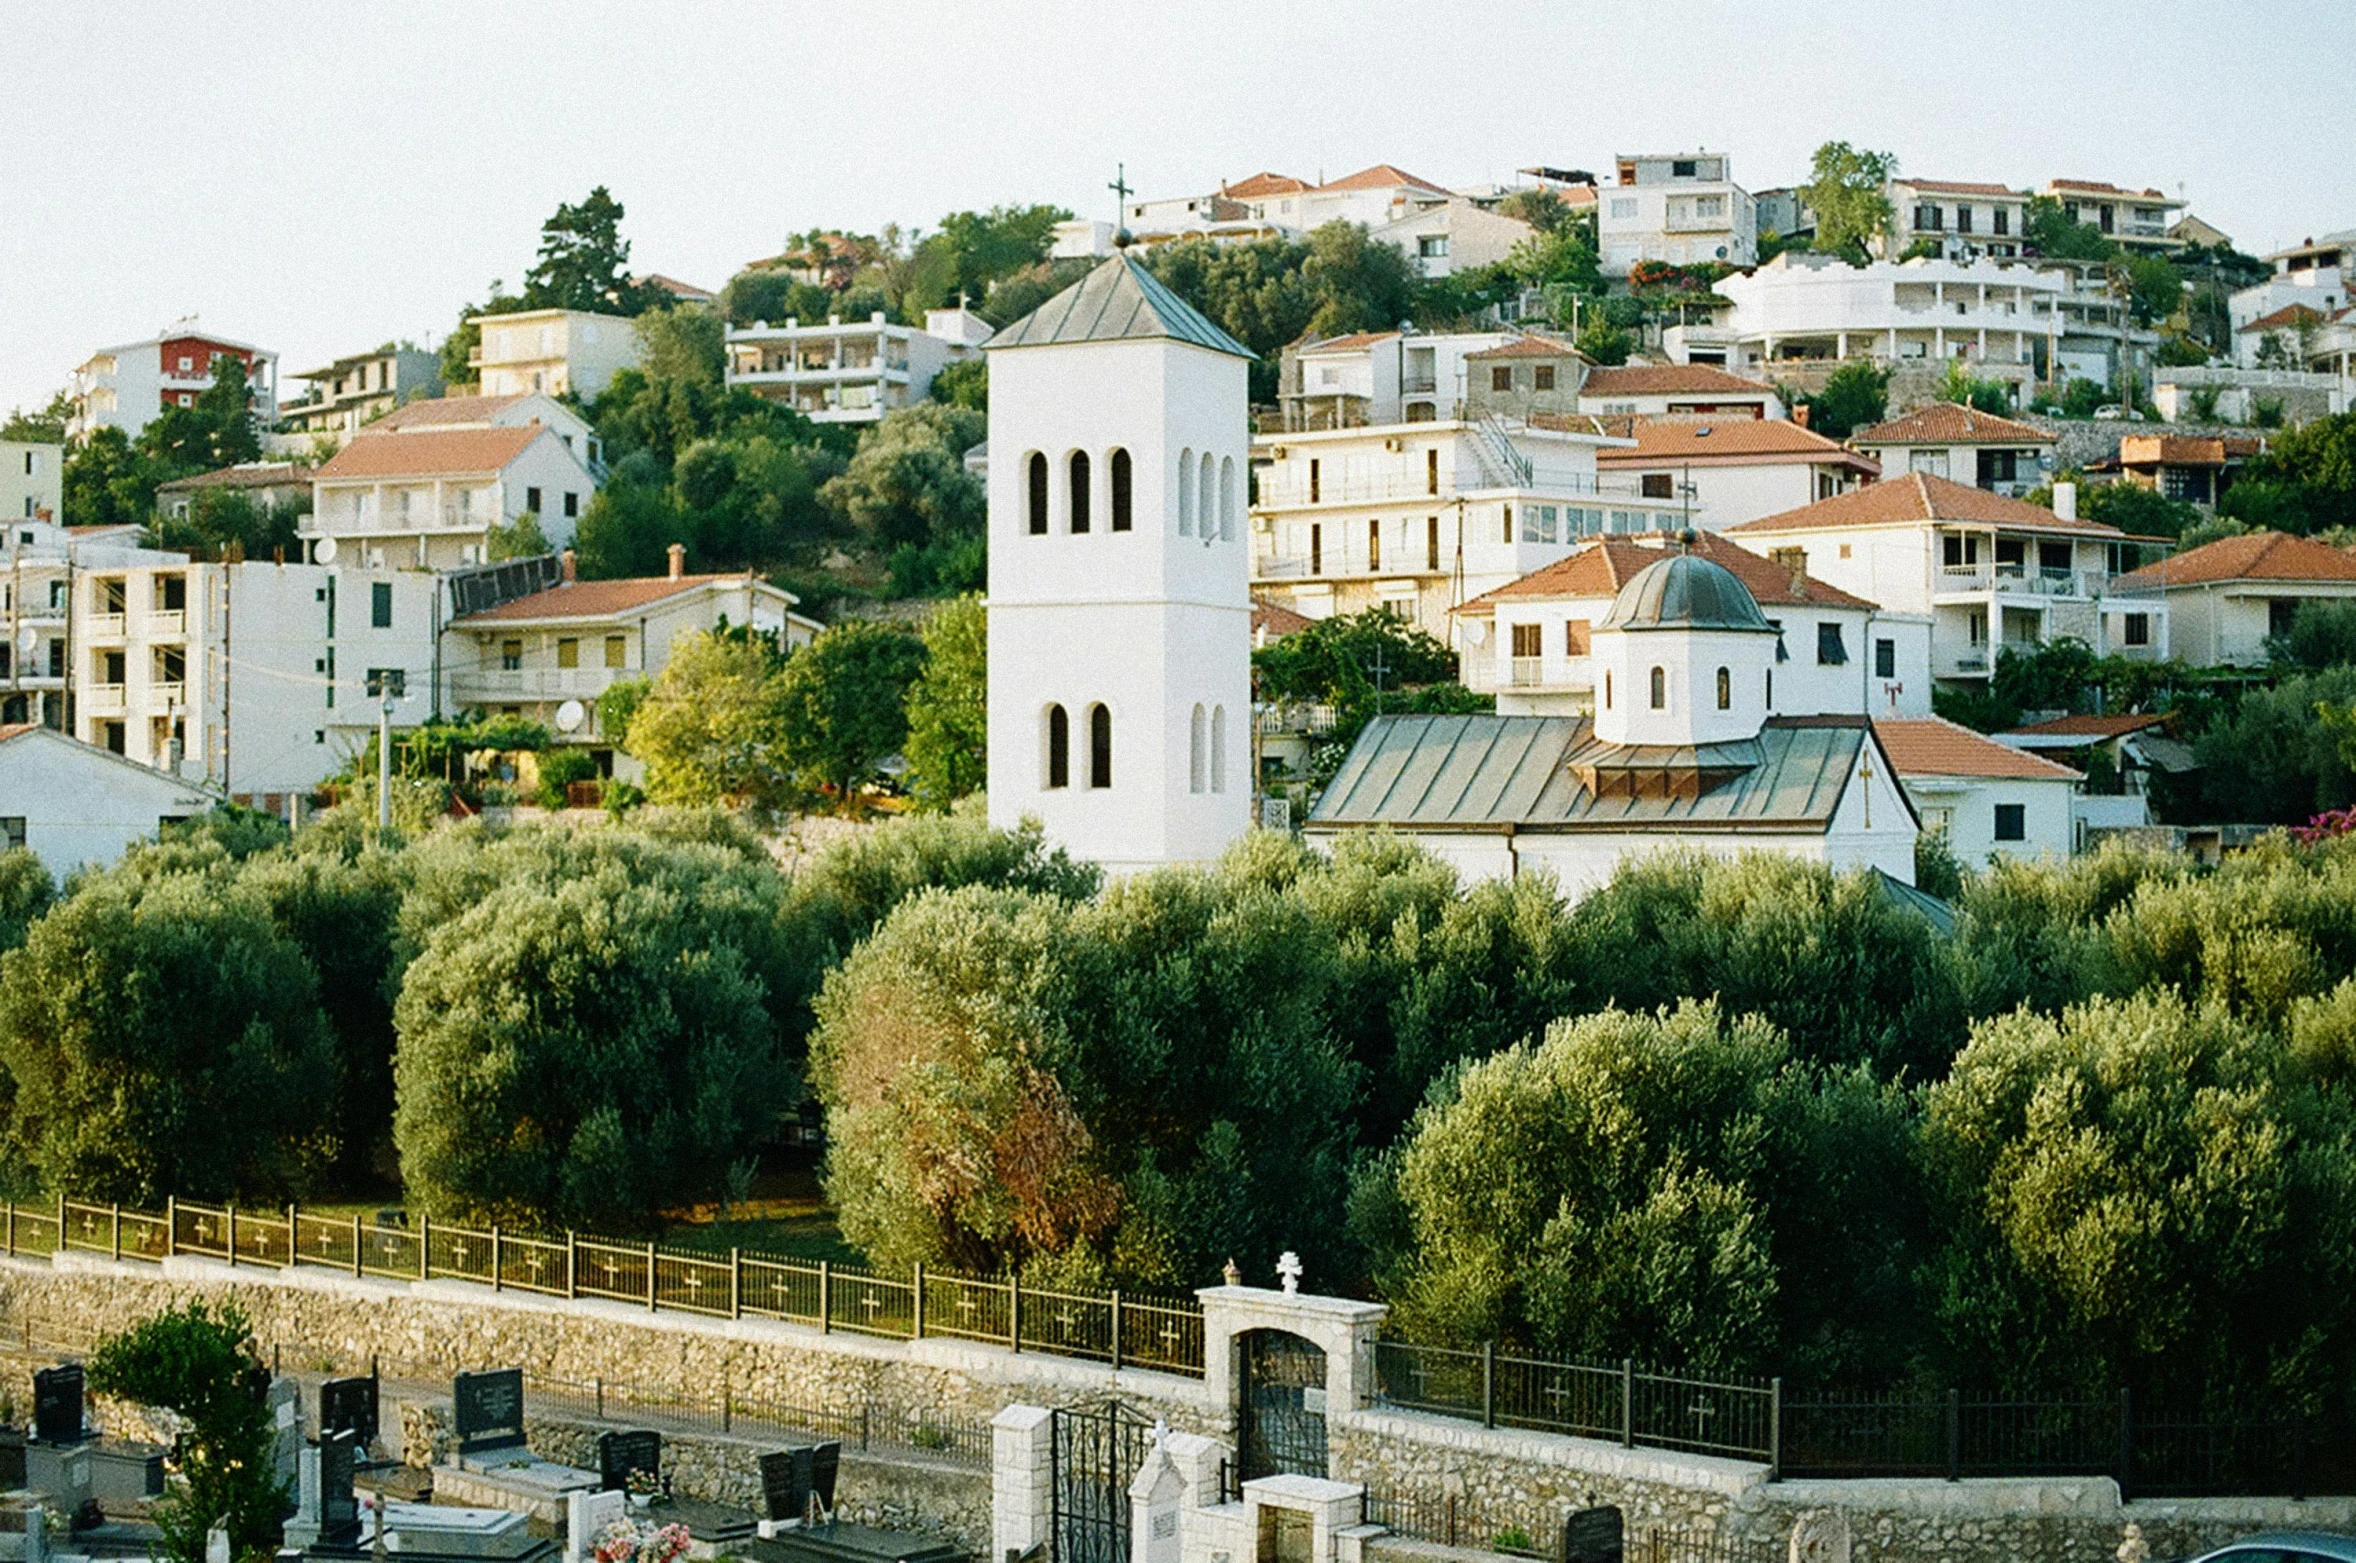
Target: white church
[{"x": 1120, "y": 652}]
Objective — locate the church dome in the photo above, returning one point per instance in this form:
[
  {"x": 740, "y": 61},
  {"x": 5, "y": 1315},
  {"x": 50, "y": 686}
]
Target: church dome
[{"x": 1685, "y": 592}]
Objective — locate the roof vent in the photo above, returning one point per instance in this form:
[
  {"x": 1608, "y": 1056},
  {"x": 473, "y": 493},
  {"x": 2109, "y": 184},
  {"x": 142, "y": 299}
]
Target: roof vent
[{"x": 1702, "y": 433}]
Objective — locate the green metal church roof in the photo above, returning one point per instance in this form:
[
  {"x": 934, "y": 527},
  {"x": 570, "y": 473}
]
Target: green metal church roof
[
  {"x": 1685, "y": 592},
  {"x": 1120, "y": 301}
]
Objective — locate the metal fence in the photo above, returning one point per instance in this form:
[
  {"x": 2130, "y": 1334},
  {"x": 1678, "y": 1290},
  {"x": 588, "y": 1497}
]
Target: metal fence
[
  {"x": 1536, "y": 1531},
  {"x": 1619, "y": 1401},
  {"x": 1124, "y": 1329}
]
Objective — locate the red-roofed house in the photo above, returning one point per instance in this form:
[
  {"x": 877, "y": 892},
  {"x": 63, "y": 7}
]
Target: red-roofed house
[
  {"x": 1990, "y": 799},
  {"x": 1527, "y": 641},
  {"x": 1962, "y": 218},
  {"x": 1655, "y": 390},
  {"x": 428, "y": 497},
  {"x": 1950, "y": 440},
  {"x": 2135, "y": 219},
  {"x": 1734, "y": 470},
  {"x": 2224, "y": 600}
]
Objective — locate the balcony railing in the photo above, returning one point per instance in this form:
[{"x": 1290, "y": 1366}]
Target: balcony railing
[
  {"x": 1277, "y": 493},
  {"x": 168, "y": 622},
  {"x": 103, "y": 699},
  {"x": 1418, "y": 385},
  {"x": 166, "y": 692},
  {"x": 1532, "y": 673},
  {"x": 489, "y": 684},
  {"x": 2015, "y": 581},
  {"x": 103, "y": 626}
]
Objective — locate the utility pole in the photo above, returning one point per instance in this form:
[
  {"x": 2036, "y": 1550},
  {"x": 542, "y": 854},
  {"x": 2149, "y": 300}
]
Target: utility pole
[{"x": 388, "y": 685}]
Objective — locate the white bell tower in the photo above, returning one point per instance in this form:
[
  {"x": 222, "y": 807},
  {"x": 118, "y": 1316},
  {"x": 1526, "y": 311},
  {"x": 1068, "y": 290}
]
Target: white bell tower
[{"x": 1120, "y": 602}]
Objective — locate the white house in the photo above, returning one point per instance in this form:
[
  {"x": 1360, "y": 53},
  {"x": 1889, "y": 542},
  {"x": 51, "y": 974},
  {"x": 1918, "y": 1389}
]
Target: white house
[
  {"x": 1681, "y": 752},
  {"x": 1530, "y": 642},
  {"x": 2312, "y": 275},
  {"x": 32, "y": 481},
  {"x": 850, "y": 373},
  {"x": 1453, "y": 235},
  {"x": 1965, "y": 220},
  {"x": 128, "y": 386},
  {"x": 427, "y": 498},
  {"x": 1950, "y": 440},
  {"x": 1727, "y": 471},
  {"x": 2133, "y": 219},
  {"x": 1383, "y": 377},
  {"x": 1680, "y": 207},
  {"x": 353, "y": 389},
  {"x": 72, "y": 805},
  {"x": 496, "y": 412},
  {"x": 2224, "y": 600},
  {"x": 1991, "y": 799},
  {"x": 39, "y": 565},
  {"x": 1669, "y": 390},
  {"x": 552, "y": 350},
  {"x": 1120, "y": 611},
  {"x": 1989, "y": 572}
]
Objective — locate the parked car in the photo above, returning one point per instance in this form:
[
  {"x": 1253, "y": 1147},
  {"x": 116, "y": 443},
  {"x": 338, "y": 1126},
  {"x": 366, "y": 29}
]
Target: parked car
[{"x": 2285, "y": 1546}]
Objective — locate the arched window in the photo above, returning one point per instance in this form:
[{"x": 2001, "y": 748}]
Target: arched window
[
  {"x": 1607, "y": 689},
  {"x": 1035, "y": 473},
  {"x": 1725, "y": 690},
  {"x": 1186, "y": 493},
  {"x": 1100, "y": 746},
  {"x": 1197, "y": 746},
  {"x": 1204, "y": 492},
  {"x": 1771, "y": 689},
  {"x": 1059, "y": 747},
  {"x": 1660, "y": 689},
  {"x": 1218, "y": 748},
  {"x": 1079, "y": 491},
  {"x": 1120, "y": 477},
  {"x": 1226, "y": 499}
]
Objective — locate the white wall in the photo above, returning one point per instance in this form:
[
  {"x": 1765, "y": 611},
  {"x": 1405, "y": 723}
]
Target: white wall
[
  {"x": 1966, "y": 807},
  {"x": 82, "y": 805},
  {"x": 32, "y": 477}
]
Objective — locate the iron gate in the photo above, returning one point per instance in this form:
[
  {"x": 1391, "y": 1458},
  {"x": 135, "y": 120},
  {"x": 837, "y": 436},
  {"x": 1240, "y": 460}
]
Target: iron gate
[
  {"x": 1283, "y": 1406},
  {"x": 1094, "y": 1456}
]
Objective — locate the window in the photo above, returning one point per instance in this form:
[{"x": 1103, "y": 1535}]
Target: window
[
  {"x": 1660, "y": 689},
  {"x": 380, "y": 605},
  {"x": 1198, "y": 745},
  {"x": 2138, "y": 629},
  {"x": 531, "y": 500},
  {"x": 1998, "y": 466},
  {"x": 1607, "y": 689},
  {"x": 1771, "y": 689},
  {"x": 1226, "y": 500},
  {"x": 1431, "y": 542},
  {"x": 1656, "y": 485},
  {"x": 617, "y": 651},
  {"x": 1933, "y": 462},
  {"x": 1374, "y": 545},
  {"x": 1186, "y": 493},
  {"x": 2001, "y": 222},
  {"x": 1725, "y": 689},
  {"x": 1681, "y": 168},
  {"x": 1623, "y": 207},
  {"x": 1885, "y": 658},
  {"x": 1205, "y": 489},
  {"x": 12, "y": 831},
  {"x": 572, "y": 504},
  {"x": 1501, "y": 378},
  {"x": 1316, "y": 548},
  {"x": 1120, "y": 476},
  {"x": 1100, "y": 746},
  {"x": 2280, "y": 611},
  {"x": 1709, "y": 206},
  {"x": 1574, "y": 638},
  {"x": 1218, "y": 748},
  {"x": 568, "y": 653},
  {"x": 1315, "y": 473},
  {"x": 1035, "y": 469},
  {"x": 2012, "y": 822},
  {"x": 1079, "y": 476},
  {"x": 1542, "y": 377},
  {"x": 1507, "y": 512},
  {"x": 1977, "y": 625},
  {"x": 1963, "y": 219},
  {"x": 1526, "y": 640},
  {"x": 1432, "y": 246},
  {"x": 1831, "y": 650},
  {"x": 1059, "y": 747},
  {"x": 511, "y": 656},
  {"x": 1927, "y": 219},
  {"x": 1431, "y": 470}
]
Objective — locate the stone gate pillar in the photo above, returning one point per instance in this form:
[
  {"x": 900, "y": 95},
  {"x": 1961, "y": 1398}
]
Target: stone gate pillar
[
  {"x": 1344, "y": 1329},
  {"x": 1021, "y": 1479}
]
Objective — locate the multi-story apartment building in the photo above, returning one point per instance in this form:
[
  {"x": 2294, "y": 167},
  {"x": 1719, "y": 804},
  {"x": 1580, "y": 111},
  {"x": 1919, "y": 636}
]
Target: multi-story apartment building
[
  {"x": 427, "y": 497},
  {"x": 354, "y": 389},
  {"x": 549, "y": 655},
  {"x": 850, "y": 372},
  {"x": 126, "y": 387},
  {"x": 1682, "y": 207},
  {"x": 32, "y": 481},
  {"x": 2134, "y": 219},
  {"x": 1278, "y": 205},
  {"x": 251, "y": 676},
  {"x": 1420, "y": 517},
  {"x": 1990, "y": 572},
  {"x": 38, "y": 567},
  {"x": 553, "y": 351},
  {"x": 1382, "y": 377},
  {"x": 2310, "y": 285},
  {"x": 1965, "y": 220}
]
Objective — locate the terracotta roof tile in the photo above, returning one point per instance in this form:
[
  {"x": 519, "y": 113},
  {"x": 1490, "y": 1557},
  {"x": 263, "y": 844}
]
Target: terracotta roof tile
[
  {"x": 1264, "y": 184},
  {"x": 2097, "y": 187},
  {"x": 2257, "y": 556},
  {"x": 1349, "y": 344},
  {"x": 2285, "y": 318},
  {"x": 2090, "y": 726},
  {"x": 1950, "y": 423},
  {"x": 1918, "y": 497},
  {"x": 1532, "y": 346},
  {"x": 1934, "y": 746},
  {"x": 266, "y": 474},
  {"x": 595, "y": 599},
  {"x": 1604, "y": 566},
  {"x": 1954, "y": 187},
  {"x": 1728, "y": 439},
  {"x": 14, "y": 730},
  {"x": 1380, "y": 176},
  {"x": 1670, "y": 380},
  {"x": 2173, "y": 450},
  {"x": 1276, "y": 620},
  {"x": 430, "y": 452},
  {"x": 427, "y": 412}
]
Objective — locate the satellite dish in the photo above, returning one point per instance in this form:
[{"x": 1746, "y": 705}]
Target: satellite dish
[
  {"x": 323, "y": 551},
  {"x": 570, "y": 716},
  {"x": 1476, "y": 631},
  {"x": 27, "y": 638}
]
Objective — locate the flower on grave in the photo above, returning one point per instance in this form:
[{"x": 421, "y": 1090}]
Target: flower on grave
[
  {"x": 616, "y": 1543},
  {"x": 664, "y": 1545},
  {"x": 642, "y": 1483}
]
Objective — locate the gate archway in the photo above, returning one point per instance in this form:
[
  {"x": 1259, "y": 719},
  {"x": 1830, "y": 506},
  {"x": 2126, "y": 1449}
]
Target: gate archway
[{"x": 1281, "y": 1407}]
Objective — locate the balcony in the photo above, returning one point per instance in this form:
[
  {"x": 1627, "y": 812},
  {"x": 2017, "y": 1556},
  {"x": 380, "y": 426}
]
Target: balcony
[
  {"x": 1418, "y": 385},
  {"x": 103, "y": 699},
  {"x": 1490, "y": 674},
  {"x": 103, "y": 626},
  {"x": 167, "y": 623},
  {"x": 1277, "y": 493},
  {"x": 167, "y": 693},
  {"x": 489, "y": 686},
  {"x": 1980, "y": 580}
]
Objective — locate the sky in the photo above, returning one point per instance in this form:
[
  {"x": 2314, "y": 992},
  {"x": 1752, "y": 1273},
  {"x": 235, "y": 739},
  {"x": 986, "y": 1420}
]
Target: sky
[{"x": 320, "y": 178}]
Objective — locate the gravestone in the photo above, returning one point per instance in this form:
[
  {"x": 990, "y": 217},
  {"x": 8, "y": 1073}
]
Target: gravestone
[
  {"x": 489, "y": 1409},
  {"x": 57, "y": 1404},
  {"x": 339, "y": 1507},
  {"x": 618, "y": 1454},
  {"x": 285, "y": 1400},
  {"x": 1596, "y": 1535},
  {"x": 302, "y": 1527},
  {"x": 350, "y": 1405},
  {"x": 791, "y": 1477},
  {"x": 585, "y": 1514},
  {"x": 12, "y": 1459}
]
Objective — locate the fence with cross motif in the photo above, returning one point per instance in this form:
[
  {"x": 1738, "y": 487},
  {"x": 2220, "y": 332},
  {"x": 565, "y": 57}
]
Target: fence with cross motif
[{"x": 1126, "y": 1329}]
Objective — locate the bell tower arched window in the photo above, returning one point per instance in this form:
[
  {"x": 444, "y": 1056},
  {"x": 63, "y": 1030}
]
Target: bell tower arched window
[
  {"x": 1197, "y": 751},
  {"x": 1226, "y": 499},
  {"x": 1186, "y": 493},
  {"x": 1725, "y": 689},
  {"x": 1100, "y": 746},
  {"x": 1080, "y": 491},
  {"x": 1122, "y": 514},
  {"x": 1218, "y": 748},
  {"x": 1205, "y": 492},
  {"x": 1035, "y": 485},
  {"x": 1059, "y": 747},
  {"x": 1660, "y": 689}
]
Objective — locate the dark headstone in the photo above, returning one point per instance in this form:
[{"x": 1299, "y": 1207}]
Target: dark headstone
[
  {"x": 349, "y": 1405},
  {"x": 1594, "y": 1536},
  {"x": 339, "y": 1508},
  {"x": 826, "y": 1461},
  {"x": 57, "y": 1404},
  {"x": 489, "y": 1408},
  {"x": 618, "y": 1454},
  {"x": 12, "y": 1459},
  {"x": 791, "y": 1477}
]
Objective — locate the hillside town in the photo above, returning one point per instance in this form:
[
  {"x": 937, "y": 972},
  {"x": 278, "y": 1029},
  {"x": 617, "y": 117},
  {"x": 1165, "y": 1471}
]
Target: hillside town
[{"x": 1594, "y": 865}]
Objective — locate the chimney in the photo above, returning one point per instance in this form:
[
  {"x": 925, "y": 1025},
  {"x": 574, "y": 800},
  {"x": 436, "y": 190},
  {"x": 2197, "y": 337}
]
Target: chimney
[
  {"x": 2065, "y": 501},
  {"x": 678, "y": 560},
  {"x": 567, "y": 565},
  {"x": 1800, "y": 412},
  {"x": 1795, "y": 565}
]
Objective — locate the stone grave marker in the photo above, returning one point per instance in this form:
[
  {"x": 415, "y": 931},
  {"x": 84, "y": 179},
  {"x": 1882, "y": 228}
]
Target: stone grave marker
[
  {"x": 1594, "y": 1536},
  {"x": 790, "y": 1478},
  {"x": 489, "y": 1408},
  {"x": 585, "y": 1514},
  {"x": 350, "y": 1405},
  {"x": 339, "y": 1506},
  {"x": 618, "y": 1454},
  {"x": 57, "y": 1404},
  {"x": 286, "y": 1432},
  {"x": 302, "y": 1527}
]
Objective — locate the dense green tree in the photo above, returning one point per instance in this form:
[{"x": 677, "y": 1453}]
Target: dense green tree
[
  {"x": 44, "y": 427},
  {"x": 909, "y": 483},
  {"x": 217, "y": 431},
  {"x": 845, "y": 702},
  {"x": 225, "y": 522},
  {"x": 200, "y": 1363},
  {"x": 2048, "y": 231},
  {"x": 964, "y": 384},
  {"x": 764, "y": 294},
  {"x": 1848, "y": 190},
  {"x": 716, "y": 726},
  {"x": 521, "y": 538},
  {"x": 2139, "y": 511},
  {"x": 2322, "y": 635},
  {"x": 986, "y": 246},
  {"x": 25, "y": 893},
  {"x": 2304, "y": 482},
  {"x": 163, "y": 1037},
  {"x": 630, "y": 524},
  {"x": 948, "y": 707},
  {"x": 1018, "y": 293},
  {"x": 2270, "y": 761},
  {"x": 2154, "y": 288},
  {"x": 108, "y": 483},
  {"x": 584, "y": 261},
  {"x": 1855, "y": 395}
]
